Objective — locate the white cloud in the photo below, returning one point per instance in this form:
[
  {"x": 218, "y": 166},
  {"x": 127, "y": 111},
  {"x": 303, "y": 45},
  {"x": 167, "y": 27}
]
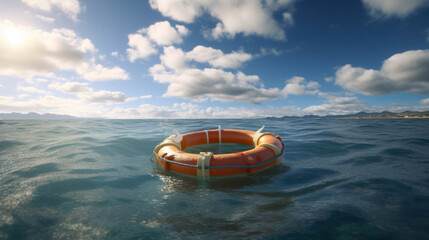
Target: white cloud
[
  {"x": 46, "y": 19},
  {"x": 288, "y": 19},
  {"x": 271, "y": 51},
  {"x": 298, "y": 86},
  {"x": 71, "y": 87},
  {"x": 179, "y": 10},
  {"x": 174, "y": 58},
  {"x": 160, "y": 33},
  {"x": 88, "y": 94},
  {"x": 425, "y": 101},
  {"x": 28, "y": 51},
  {"x": 234, "y": 16},
  {"x": 407, "y": 71},
  {"x": 105, "y": 97},
  {"x": 141, "y": 47},
  {"x": 115, "y": 54},
  {"x": 399, "y": 8},
  {"x": 329, "y": 79},
  {"x": 31, "y": 90},
  {"x": 217, "y": 58},
  {"x": 145, "y": 96},
  {"x": 70, "y": 7},
  {"x": 199, "y": 84},
  {"x": 96, "y": 72}
]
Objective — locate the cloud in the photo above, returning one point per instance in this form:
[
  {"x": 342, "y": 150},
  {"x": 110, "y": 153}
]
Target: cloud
[
  {"x": 105, "y": 97},
  {"x": 141, "y": 47},
  {"x": 28, "y": 51},
  {"x": 145, "y": 96},
  {"x": 31, "y": 90},
  {"x": 142, "y": 42},
  {"x": 397, "y": 8},
  {"x": 337, "y": 105},
  {"x": 184, "y": 11},
  {"x": 82, "y": 108},
  {"x": 407, "y": 71},
  {"x": 46, "y": 19},
  {"x": 299, "y": 86},
  {"x": 217, "y": 58},
  {"x": 329, "y": 79},
  {"x": 233, "y": 16},
  {"x": 266, "y": 52},
  {"x": 425, "y": 101},
  {"x": 199, "y": 84},
  {"x": 82, "y": 91},
  {"x": 162, "y": 33},
  {"x": 71, "y": 87},
  {"x": 70, "y": 7},
  {"x": 96, "y": 72},
  {"x": 288, "y": 19}
]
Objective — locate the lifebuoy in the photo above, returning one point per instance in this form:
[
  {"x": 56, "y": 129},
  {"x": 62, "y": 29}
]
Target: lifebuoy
[{"x": 268, "y": 150}]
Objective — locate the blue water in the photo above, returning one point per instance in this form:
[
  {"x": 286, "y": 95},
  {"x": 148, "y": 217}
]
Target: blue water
[{"x": 92, "y": 179}]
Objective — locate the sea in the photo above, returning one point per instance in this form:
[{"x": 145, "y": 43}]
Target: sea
[{"x": 94, "y": 179}]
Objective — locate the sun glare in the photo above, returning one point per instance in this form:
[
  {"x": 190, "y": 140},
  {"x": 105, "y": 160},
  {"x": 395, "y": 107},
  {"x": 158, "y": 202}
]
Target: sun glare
[{"x": 13, "y": 35}]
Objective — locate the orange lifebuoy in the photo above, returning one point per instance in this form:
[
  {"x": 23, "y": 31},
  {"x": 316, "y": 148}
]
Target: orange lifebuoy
[{"x": 268, "y": 150}]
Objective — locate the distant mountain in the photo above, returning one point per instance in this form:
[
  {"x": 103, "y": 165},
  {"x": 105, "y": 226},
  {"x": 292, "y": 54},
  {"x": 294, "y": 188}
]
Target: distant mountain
[
  {"x": 365, "y": 115},
  {"x": 33, "y": 115}
]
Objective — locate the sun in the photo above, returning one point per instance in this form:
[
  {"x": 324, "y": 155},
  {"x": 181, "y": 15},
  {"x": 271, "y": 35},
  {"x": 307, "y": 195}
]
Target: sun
[{"x": 13, "y": 35}]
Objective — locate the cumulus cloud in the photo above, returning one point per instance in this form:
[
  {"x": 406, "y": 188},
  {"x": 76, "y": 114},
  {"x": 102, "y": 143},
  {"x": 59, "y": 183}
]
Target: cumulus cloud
[
  {"x": 70, "y": 7},
  {"x": 299, "y": 86},
  {"x": 140, "y": 47},
  {"x": 82, "y": 91},
  {"x": 179, "y": 10},
  {"x": 142, "y": 43},
  {"x": 162, "y": 33},
  {"x": 425, "y": 101},
  {"x": 199, "y": 84},
  {"x": 407, "y": 71},
  {"x": 234, "y": 16},
  {"x": 217, "y": 58},
  {"x": 27, "y": 51},
  {"x": 398, "y": 8}
]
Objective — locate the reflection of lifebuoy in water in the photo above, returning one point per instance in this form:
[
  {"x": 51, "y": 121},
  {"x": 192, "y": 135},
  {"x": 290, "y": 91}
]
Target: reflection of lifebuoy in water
[{"x": 268, "y": 150}]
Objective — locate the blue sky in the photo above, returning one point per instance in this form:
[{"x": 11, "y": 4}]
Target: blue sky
[{"x": 213, "y": 59}]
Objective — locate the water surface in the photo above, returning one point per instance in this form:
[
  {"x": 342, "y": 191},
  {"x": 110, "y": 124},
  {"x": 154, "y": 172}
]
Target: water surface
[{"x": 92, "y": 179}]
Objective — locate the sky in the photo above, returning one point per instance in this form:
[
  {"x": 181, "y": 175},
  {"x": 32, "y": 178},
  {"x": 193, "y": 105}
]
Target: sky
[{"x": 213, "y": 59}]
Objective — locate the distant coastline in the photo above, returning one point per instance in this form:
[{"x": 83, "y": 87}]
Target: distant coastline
[
  {"x": 359, "y": 115},
  {"x": 365, "y": 115}
]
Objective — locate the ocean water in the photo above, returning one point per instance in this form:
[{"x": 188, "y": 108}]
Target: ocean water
[{"x": 93, "y": 179}]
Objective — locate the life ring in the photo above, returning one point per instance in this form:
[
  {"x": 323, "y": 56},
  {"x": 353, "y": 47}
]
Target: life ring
[{"x": 268, "y": 150}]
